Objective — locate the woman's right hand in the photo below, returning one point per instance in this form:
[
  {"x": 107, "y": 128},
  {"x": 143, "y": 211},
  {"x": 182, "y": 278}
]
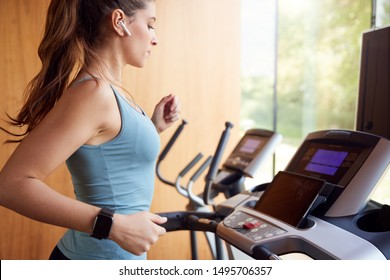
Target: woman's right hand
[{"x": 137, "y": 232}]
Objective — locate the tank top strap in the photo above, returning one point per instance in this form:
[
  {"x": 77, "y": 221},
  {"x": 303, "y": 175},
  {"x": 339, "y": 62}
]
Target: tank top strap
[
  {"x": 86, "y": 78},
  {"x": 130, "y": 103}
]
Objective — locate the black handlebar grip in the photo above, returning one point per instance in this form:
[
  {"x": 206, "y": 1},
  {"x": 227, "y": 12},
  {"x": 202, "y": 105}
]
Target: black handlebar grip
[
  {"x": 175, "y": 220},
  {"x": 201, "y": 224},
  {"x": 189, "y": 220},
  {"x": 262, "y": 253},
  {"x": 172, "y": 141}
]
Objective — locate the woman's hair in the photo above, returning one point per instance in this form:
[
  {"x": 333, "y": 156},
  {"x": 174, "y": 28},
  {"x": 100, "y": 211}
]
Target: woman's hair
[{"x": 74, "y": 31}]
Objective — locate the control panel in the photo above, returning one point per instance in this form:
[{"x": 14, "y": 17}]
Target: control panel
[
  {"x": 252, "y": 227},
  {"x": 248, "y": 230}
]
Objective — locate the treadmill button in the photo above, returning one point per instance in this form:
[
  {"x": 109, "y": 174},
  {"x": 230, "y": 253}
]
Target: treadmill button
[{"x": 251, "y": 224}]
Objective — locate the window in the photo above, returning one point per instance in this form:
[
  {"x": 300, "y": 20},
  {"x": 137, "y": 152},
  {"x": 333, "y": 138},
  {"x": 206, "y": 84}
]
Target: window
[
  {"x": 258, "y": 67},
  {"x": 382, "y": 13},
  {"x": 300, "y": 66}
]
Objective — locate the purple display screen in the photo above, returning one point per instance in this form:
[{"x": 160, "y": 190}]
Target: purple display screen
[
  {"x": 326, "y": 161},
  {"x": 250, "y": 145}
]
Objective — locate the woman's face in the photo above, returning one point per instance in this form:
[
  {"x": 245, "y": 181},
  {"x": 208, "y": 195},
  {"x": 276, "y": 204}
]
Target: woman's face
[{"x": 139, "y": 45}]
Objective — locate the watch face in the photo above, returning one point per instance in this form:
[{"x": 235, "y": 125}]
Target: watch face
[{"x": 102, "y": 226}]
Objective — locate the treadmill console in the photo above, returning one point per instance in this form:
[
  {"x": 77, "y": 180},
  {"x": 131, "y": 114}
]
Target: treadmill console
[
  {"x": 245, "y": 160},
  {"x": 337, "y": 169},
  {"x": 350, "y": 160},
  {"x": 253, "y": 148}
]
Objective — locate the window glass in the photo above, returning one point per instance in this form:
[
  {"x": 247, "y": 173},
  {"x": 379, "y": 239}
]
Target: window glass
[
  {"x": 258, "y": 31},
  {"x": 317, "y": 63},
  {"x": 318, "y": 67},
  {"x": 382, "y": 17}
]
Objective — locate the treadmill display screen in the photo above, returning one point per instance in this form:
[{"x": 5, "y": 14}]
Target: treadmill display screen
[
  {"x": 289, "y": 197},
  {"x": 250, "y": 145},
  {"x": 247, "y": 149},
  {"x": 326, "y": 161}
]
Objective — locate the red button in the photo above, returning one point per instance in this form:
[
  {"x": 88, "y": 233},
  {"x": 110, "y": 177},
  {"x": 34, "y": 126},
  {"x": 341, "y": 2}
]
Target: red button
[{"x": 251, "y": 225}]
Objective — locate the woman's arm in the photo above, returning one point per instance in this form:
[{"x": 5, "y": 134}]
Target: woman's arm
[
  {"x": 71, "y": 123},
  {"x": 87, "y": 113}
]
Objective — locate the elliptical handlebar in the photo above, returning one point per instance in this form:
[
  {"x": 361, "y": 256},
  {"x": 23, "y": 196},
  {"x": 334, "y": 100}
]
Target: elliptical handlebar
[
  {"x": 195, "y": 198},
  {"x": 201, "y": 169},
  {"x": 186, "y": 220},
  {"x": 215, "y": 162},
  {"x": 165, "y": 152},
  {"x": 172, "y": 140},
  {"x": 189, "y": 166}
]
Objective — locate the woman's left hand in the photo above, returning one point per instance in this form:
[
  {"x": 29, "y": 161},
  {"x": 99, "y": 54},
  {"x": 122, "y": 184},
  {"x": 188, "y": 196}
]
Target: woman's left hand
[{"x": 166, "y": 112}]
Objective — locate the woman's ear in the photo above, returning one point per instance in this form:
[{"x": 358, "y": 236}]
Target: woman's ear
[{"x": 117, "y": 22}]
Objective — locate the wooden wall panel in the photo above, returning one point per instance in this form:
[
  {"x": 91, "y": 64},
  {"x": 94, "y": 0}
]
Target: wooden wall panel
[
  {"x": 21, "y": 26},
  {"x": 197, "y": 58}
]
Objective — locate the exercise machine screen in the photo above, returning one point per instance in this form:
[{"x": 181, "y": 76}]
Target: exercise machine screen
[{"x": 289, "y": 197}]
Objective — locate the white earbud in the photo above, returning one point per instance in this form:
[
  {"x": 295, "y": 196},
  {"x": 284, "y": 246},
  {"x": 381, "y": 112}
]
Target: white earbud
[{"x": 124, "y": 28}]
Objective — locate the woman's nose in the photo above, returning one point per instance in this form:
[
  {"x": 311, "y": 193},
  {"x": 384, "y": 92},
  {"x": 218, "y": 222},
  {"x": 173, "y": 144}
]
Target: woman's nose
[{"x": 154, "y": 41}]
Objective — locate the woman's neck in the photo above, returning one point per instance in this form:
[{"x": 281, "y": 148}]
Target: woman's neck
[{"x": 106, "y": 70}]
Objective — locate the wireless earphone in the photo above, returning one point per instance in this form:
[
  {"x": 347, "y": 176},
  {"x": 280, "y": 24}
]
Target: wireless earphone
[{"x": 124, "y": 28}]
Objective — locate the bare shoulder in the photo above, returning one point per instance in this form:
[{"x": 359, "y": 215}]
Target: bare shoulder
[
  {"x": 83, "y": 113},
  {"x": 93, "y": 92},
  {"x": 93, "y": 106},
  {"x": 89, "y": 100}
]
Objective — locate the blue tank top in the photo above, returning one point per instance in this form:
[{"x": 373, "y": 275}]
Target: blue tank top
[{"x": 119, "y": 175}]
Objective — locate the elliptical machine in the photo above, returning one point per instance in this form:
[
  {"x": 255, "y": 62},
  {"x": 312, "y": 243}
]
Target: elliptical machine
[
  {"x": 197, "y": 204},
  {"x": 243, "y": 162}
]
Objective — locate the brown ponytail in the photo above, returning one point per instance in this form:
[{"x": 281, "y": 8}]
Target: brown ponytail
[
  {"x": 74, "y": 29},
  {"x": 59, "y": 53}
]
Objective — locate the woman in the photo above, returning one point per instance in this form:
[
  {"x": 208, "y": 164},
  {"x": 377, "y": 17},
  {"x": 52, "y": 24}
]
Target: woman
[{"x": 108, "y": 142}]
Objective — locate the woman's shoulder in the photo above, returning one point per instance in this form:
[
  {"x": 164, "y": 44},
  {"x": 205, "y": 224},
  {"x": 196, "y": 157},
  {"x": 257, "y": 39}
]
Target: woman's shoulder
[
  {"x": 89, "y": 93},
  {"x": 89, "y": 87},
  {"x": 90, "y": 100}
]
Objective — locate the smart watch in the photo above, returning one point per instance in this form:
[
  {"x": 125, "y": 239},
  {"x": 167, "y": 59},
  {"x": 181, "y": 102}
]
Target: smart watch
[{"x": 103, "y": 223}]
